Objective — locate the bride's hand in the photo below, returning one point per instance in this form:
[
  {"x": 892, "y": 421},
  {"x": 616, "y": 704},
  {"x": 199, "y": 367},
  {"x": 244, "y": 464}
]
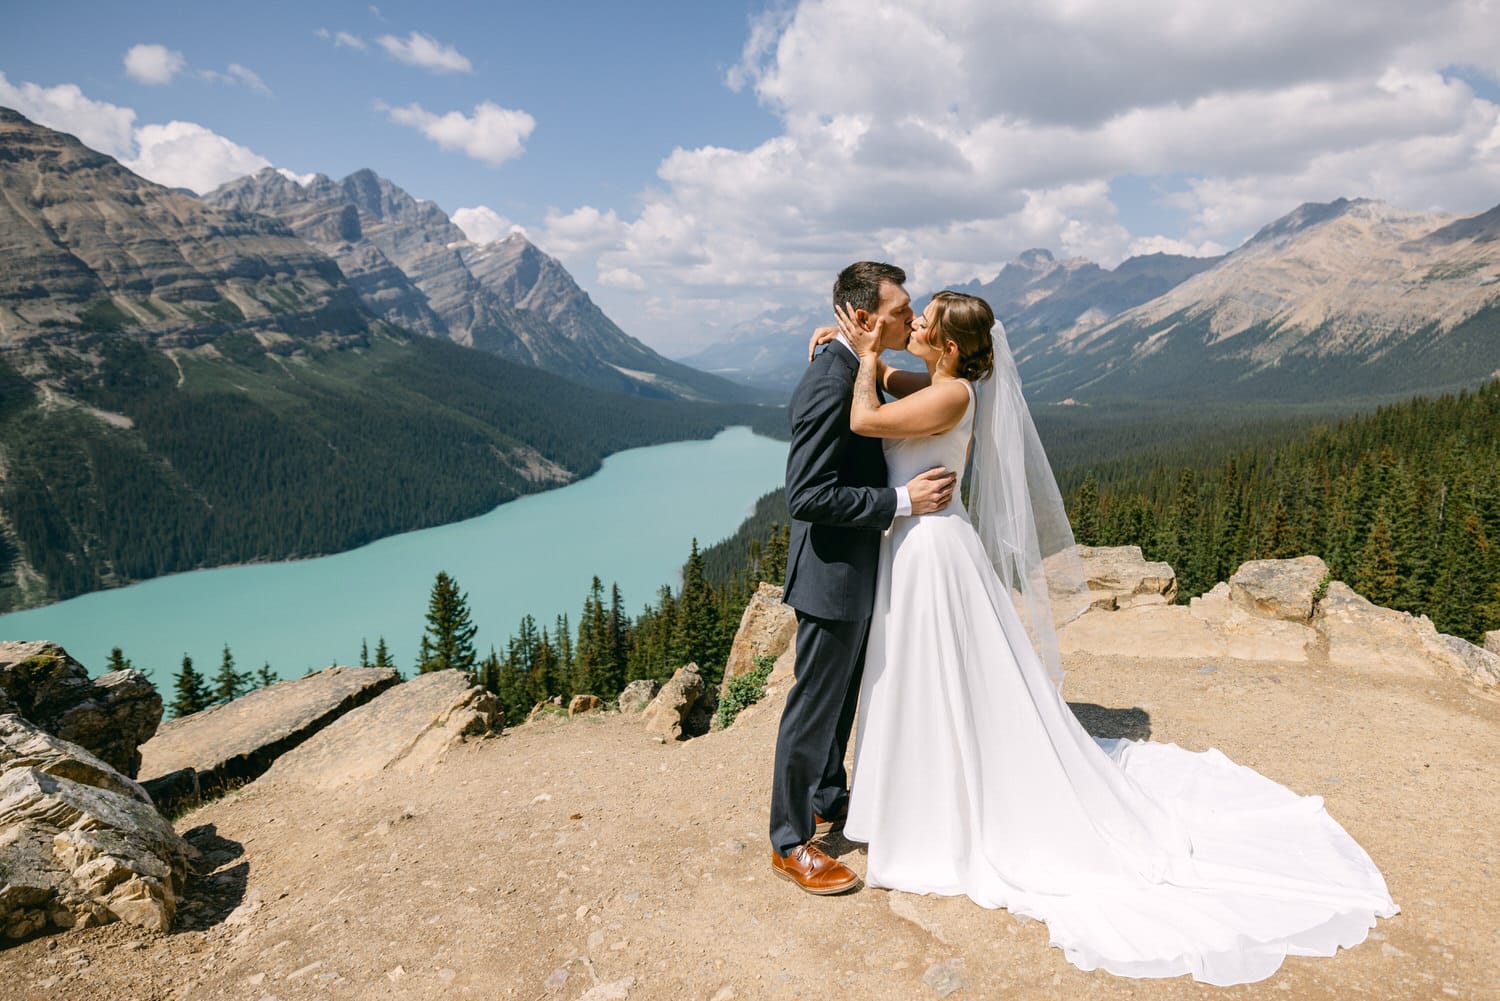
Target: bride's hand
[
  {"x": 820, "y": 336},
  {"x": 863, "y": 341}
]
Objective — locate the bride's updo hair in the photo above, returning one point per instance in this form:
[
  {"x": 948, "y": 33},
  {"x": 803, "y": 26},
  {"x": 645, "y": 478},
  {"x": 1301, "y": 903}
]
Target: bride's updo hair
[{"x": 967, "y": 320}]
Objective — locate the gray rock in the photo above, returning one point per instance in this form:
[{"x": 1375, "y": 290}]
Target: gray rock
[
  {"x": 239, "y": 740},
  {"x": 765, "y": 630},
  {"x": 83, "y": 843},
  {"x": 1476, "y": 663},
  {"x": 1492, "y": 641},
  {"x": 406, "y": 729},
  {"x": 1116, "y": 575},
  {"x": 1279, "y": 589},
  {"x": 1365, "y": 637},
  {"x": 945, "y": 977},
  {"x": 670, "y": 714},
  {"x": 638, "y": 695},
  {"x": 109, "y": 716}
]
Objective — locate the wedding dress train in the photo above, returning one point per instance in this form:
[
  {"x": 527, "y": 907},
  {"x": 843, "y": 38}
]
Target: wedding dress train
[{"x": 972, "y": 776}]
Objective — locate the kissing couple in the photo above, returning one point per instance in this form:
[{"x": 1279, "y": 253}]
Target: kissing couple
[{"x": 971, "y": 775}]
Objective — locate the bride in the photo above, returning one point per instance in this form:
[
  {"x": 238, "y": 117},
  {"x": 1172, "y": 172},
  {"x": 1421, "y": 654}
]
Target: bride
[{"x": 971, "y": 774}]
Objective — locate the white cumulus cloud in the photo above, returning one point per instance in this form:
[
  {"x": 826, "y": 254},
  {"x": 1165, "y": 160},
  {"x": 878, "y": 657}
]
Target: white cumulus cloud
[
  {"x": 483, "y": 224},
  {"x": 187, "y": 155},
  {"x": 417, "y": 49},
  {"x": 153, "y": 64},
  {"x": 98, "y": 125},
  {"x": 949, "y": 135},
  {"x": 622, "y": 278},
  {"x": 492, "y": 134}
]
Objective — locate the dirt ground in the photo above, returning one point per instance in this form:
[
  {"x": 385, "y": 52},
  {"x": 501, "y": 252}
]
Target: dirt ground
[{"x": 580, "y": 859}]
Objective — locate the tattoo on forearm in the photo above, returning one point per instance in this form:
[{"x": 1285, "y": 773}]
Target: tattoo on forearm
[{"x": 866, "y": 399}]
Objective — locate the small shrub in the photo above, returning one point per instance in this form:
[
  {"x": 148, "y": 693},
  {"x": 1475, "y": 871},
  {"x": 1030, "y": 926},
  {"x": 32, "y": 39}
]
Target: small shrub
[
  {"x": 744, "y": 690},
  {"x": 1321, "y": 591}
]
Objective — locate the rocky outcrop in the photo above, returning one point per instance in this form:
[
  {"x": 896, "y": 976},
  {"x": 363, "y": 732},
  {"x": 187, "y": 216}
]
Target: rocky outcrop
[
  {"x": 765, "y": 630},
  {"x": 239, "y": 740},
  {"x": 1492, "y": 641},
  {"x": 1364, "y": 636},
  {"x": 1121, "y": 576},
  {"x": 638, "y": 695},
  {"x": 110, "y": 716},
  {"x": 407, "y": 728},
  {"x": 83, "y": 844},
  {"x": 670, "y": 716},
  {"x": 1281, "y": 589},
  {"x": 1284, "y": 612}
]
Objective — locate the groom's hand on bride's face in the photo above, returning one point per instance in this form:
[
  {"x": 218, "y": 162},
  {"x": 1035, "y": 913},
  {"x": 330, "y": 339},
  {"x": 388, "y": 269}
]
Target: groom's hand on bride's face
[{"x": 931, "y": 491}]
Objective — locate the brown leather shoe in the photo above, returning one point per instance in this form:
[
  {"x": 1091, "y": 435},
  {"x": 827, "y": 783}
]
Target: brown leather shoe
[{"x": 814, "y": 871}]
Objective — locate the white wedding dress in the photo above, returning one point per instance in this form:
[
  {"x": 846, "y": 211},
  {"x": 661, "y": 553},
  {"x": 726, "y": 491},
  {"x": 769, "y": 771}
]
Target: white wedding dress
[{"x": 972, "y": 776}]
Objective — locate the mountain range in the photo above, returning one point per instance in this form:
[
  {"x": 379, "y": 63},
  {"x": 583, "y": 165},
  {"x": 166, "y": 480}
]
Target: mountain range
[
  {"x": 414, "y": 268},
  {"x": 187, "y": 385},
  {"x": 1352, "y": 299}
]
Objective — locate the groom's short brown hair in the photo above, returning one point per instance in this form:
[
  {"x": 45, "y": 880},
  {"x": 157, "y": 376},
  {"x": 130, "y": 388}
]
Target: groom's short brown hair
[{"x": 859, "y": 284}]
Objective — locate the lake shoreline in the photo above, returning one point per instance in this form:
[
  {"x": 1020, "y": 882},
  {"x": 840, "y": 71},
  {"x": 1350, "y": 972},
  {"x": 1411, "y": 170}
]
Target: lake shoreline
[{"x": 567, "y": 535}]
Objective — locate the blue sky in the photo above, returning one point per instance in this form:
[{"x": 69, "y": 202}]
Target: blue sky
[{"x": 695, "y": 165}]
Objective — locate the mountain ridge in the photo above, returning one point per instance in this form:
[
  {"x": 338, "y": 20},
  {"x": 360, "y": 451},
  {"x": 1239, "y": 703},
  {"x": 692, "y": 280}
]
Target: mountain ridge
[{"x": 508, "y": 297}]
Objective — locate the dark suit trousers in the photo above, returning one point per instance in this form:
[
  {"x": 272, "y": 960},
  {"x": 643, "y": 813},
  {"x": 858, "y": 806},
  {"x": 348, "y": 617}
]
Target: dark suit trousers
[{"x": 815, "y": 725}]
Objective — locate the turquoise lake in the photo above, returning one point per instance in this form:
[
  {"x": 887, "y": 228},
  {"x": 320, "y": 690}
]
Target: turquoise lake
[{"x": 632, "y": 522}]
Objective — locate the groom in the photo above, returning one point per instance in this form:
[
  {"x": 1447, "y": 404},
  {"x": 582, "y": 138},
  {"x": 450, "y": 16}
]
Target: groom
[{"x": 839, "y": 502}]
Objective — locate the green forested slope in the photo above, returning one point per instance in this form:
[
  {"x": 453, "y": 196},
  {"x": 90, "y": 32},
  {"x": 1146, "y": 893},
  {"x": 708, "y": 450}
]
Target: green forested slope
[
  {"x": 237, "y": 453},
  {"x": 1403, "y": 504}
]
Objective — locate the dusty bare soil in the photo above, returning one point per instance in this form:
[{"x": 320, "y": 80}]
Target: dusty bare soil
[{"x": 579, "y": 859}]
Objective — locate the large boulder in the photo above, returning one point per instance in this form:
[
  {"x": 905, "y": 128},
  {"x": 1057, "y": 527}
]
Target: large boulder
[
  {"x": 239, "y": 740},
  {"x": 1366, "y": 637},
  {"x": 1280, "y": 589},
  {"x": 765, "y": 630},
  {"x": 670, "y": 714},
  {"x": 407, "y": 728},
  {"x": 110, "y": 716},
  {"x": 1121, "y": 576},
  {"x": 82, "y": 843}
]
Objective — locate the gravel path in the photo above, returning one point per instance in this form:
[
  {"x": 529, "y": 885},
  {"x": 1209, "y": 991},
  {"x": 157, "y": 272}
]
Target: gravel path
[{"x": 580, "y": 859}]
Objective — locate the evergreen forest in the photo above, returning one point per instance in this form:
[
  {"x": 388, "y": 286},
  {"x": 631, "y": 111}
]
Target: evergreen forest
[
  {"x": 158, "y": 461},
  {"x": 1403, "y": 504}
]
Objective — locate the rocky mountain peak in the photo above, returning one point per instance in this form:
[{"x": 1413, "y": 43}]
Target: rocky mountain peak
[{"x": 1035, "y": 259}]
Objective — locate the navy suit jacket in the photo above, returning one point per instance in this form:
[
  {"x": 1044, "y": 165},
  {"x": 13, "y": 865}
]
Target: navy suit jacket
[{"x": 836, "y": 494}]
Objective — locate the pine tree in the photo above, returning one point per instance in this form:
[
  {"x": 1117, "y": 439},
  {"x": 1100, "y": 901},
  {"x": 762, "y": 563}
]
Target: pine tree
[
  {"x": 1376, "y": 578},
  {"x": 1086, "y": 512},
  {"x": 364, "y": 652},
  {"x": 383, "y": 654},
  {"x": 448, "y": 642},
  {"x": 190, "y": 690},
  {"x": 265, "y": 676},
  {"x": 229, "y": 684},
  {"x": 774, "y": 563},
  {"x": 697, "y": 620},
  {"x": 118, "y": 661}
]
